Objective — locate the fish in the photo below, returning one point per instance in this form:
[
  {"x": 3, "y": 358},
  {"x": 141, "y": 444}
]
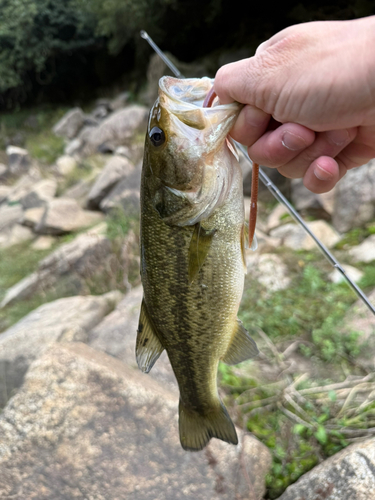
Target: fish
[{"x": 192, "y": 249}]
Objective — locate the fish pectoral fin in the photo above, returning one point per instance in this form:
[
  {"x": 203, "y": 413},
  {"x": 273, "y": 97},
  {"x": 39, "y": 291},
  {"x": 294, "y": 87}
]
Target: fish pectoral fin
[
  {"x": 148, "y": 346},
  {"x": 199, "y": 246},
  {"x": 242, "y": 346},
  {"x": 197, "y": 429}
]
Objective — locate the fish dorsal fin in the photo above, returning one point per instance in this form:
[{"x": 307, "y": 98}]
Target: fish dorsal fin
[
  {"x": 148, "y": 346},
  {"x": 242, "y": 346},
  {"x": 199, "y": 246}
]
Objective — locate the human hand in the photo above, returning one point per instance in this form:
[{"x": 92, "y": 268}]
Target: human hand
[{"x": 318, "y": 81}]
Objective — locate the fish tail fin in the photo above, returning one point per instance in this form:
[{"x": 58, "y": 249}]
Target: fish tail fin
[{"x": 196, "y": 430}]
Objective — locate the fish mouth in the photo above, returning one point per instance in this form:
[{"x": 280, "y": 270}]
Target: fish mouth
[{"x": 184, "y": 99}]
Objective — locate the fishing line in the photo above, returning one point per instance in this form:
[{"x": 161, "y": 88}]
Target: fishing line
[{"x": 277, "y": 193}]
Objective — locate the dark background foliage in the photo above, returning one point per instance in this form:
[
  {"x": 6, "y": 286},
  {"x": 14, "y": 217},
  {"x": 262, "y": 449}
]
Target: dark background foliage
[{"x": 63, "y": 49}]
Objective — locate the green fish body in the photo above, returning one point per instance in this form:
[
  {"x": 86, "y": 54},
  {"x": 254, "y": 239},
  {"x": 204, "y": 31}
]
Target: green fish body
[{"x": 192, "y": 254}]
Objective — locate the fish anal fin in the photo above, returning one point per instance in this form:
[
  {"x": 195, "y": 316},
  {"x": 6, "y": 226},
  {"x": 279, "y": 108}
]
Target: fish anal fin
[
  {"x": 242, "y": 346},
  {"x": 199, "y": 246},
  {"x": 148, "y": 346},
  {"x": 196, "y": 429}
]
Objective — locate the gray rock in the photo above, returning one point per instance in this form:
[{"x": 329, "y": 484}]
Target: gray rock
[
  {"x": 65, "y": 165},
  {"x": 119, "y": 101},
  {"x": 32, "y": 217},
  {"x": 348, "y": 475},
  {"x": 100, "y": 112},
  {"x": 270, "y": 271},
  {"x": 115, "y": 130},
  {"x": 63, "y": 215},
  {"x": 355, "y": 198},
  {"x": 32, "y": 335},
  {"x": 14, "y": 235},
  {"x": 364, "y": 252},
  {"x": 73, "y": 147},
  {"x": 276, "y": 217},
  {"x": 353, "y": 273},
  {"x": 9, "y": 215},
  {"x": 43, "y": 243},
  {"x": 116, "y": 169},
  {"x": 39, "y": 194},
  {"x": 70, "y": 124},
  {"x": 3, "y": 170},
  {"x": 306, "y": 201},
  {"x": 18, "y": 160},
  {"x": 84, "y": 425},
  {"x": 4, "y": 193},
  {"x": 23, "y": 186},
  {"x": 80, "y": 258},
  {"x": 126, "y": 194},
  {"x": 79, "y": 192},
  {"x": 117, "y": 333},
  {"x": 295, "y": 237}
]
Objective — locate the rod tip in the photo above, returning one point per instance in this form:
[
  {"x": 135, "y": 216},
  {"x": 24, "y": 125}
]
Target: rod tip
[{"x": 144, "y": 34}]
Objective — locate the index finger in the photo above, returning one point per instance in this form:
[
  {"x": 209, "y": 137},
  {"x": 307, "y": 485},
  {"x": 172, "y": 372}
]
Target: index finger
[{"x": 233, "y": 82}]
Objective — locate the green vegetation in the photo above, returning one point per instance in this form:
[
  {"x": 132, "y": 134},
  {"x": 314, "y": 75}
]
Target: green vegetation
[{"x": 307, "y": 410}]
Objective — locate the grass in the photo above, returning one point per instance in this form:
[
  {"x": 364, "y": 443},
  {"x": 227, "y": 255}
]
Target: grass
[{"x": 32, "y": 129}]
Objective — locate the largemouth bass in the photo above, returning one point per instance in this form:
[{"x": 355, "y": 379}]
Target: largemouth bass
[{"x": 192, "y": 253}]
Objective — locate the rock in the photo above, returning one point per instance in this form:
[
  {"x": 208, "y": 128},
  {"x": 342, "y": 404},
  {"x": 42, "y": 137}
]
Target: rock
[
  {"x": 3, "y": 169},
  {"x": 43, "y": 243},
  {"x": 271, "y": 272},
  {"x": 119, "y": 101},
  {"x": 360, "y": 319},
  {"x": 306, "y": 201},
  {"x": 9, "y": 215},
  {"x": 365, "y": 252},
  {"x": 73, "y": 147},
  {"x": 348, "y": 475},
  {"x": 100, "y": 112},
  {"x": 296, "y": 238},
  {"x": 23, "y": 186},
  {"x": 80, "y": 258},
  {"x": 355, "y": 198},
  {"x": 79, "y": 192},
  {"x": 116, "y": 168},
  {"x": 18, "y": 160},
  {"x": 32, "y": 217},
  {"x": 15, "y": 234},
  {"x": 63, "y": 215},
  {"x": 84, "y": 425},
  {"x": 277, "y": 217},
  {"x": 65, "y": 165},
  {"x": 31, "y": 336},
  {"x": 115, "y": 130},
  {"x": 39, "y": 194},
  {"x": 70, "y": 124},
  {"x": 353, "y": 273},
  {"x": 4, "y": 193},
  {"x": 126, "y": 194},
  {"x": 116, "y": 335}
]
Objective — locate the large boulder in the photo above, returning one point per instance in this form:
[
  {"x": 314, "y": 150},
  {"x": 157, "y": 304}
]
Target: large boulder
[
  {"x": 70, "y": 124},
  {"x": 115, "y": 130},
  {"x": 116, "y": 335},
  {"x": 296, "y": 238},
  {"x": 126, "y": 194},
  {"x": 355, "y": 198},
  {"x": 365, "y": 251},
  {"x": 63, "y": 215},
  {"x": 64, "y": 319},
  {"x": 84, "y": 425},
  {"x": 9, "y": 215},
  {"x": 117, "y": 168},
  {"x": 39, "y": 194},
  {"x": 18, "y": 160},
  {"x": 14, "y": 235},
  {"x": 80, "y": 259},
  {"x": 348, "y": 475}
]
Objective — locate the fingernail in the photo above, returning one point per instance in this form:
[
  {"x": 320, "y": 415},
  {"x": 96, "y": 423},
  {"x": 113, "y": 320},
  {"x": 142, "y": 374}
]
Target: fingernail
[
  {"x": 338, "y": 137},
  {"x": 292, "y": 141},
  {"x": 322, "y": 174}
]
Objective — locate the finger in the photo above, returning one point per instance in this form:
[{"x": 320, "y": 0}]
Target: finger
[
  {"x": 323, "y": 174},
  {"x": 234, "y": 82},
  {"x": 278, "y": 147},
  {"x": 326, "y": 144},
  {"x": 250, "y": 125}
]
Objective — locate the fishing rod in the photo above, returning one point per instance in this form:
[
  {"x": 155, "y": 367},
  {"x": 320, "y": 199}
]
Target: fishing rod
[{"x": 275, "y": 191}]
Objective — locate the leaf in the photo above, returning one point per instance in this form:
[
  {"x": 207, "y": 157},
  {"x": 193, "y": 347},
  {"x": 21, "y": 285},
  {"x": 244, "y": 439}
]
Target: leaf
[{"x": 321, "y": 435}]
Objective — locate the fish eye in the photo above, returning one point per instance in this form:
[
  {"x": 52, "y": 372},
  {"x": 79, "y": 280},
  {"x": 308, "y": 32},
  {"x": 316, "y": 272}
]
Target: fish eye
[{"x": 157, "y": 136}]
